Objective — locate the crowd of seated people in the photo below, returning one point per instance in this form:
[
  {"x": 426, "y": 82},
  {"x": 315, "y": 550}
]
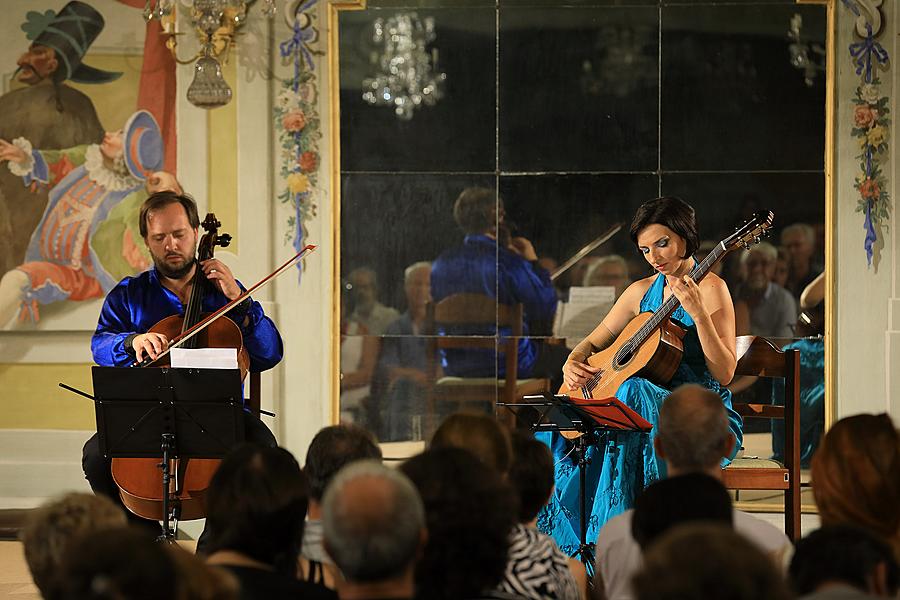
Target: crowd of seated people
[{"x": 458, "y": 522}]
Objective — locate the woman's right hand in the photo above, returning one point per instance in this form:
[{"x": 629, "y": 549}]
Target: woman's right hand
[
  {"x": 12, "y": 153},
  {"x": 151, "y": 344},
  {"x": 576, "y": 373}
]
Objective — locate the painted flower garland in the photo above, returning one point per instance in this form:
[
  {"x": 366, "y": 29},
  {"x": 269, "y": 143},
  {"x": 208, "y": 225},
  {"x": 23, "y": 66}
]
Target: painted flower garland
[{"x": 298, "y": 125}]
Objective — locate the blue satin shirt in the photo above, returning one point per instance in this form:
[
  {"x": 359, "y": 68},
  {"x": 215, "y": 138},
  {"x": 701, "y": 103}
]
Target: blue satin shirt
[{"x": 137, "y": 303}]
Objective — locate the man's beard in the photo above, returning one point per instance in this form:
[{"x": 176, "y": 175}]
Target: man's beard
[{"x": 173, "y": 273}]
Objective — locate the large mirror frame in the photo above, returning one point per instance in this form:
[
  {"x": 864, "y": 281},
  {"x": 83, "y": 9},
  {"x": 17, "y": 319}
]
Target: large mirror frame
[{"x": 335, "y": 7}]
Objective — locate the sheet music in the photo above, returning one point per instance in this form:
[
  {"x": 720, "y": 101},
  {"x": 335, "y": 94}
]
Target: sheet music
[
  {"x": 204, "y": 358},
  {"x": 587, "y": 306}
]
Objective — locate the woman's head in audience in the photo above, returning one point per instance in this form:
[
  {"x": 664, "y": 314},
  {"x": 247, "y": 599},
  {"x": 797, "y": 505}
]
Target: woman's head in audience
[
  {"x": 856, "y": 476},
  {"x": 333, "y": 448},
  {"x": 469, "y": 514},
  {"x": 531, "y": 474},
  {"x": 707, "y": 561},
  {"x": 256, "y": 505},
  {"x": 478, "y": 433}
]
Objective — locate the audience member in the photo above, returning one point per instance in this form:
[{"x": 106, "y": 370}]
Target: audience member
[
  {"x": 49, "y": 530},
  {"x": 611, "y": 271},
  {"x": 537, "y": 568},
  {"x": 359, "y": 357},
  {"x": 782, "y": 268},
  {"x": 842, "y": 562},
  {"x": 707, "y": 246},
  {"x": 469, "y": 514},
  {"x": 481, "y": 435},
  {"x": 692, "y": 437},
  {"x": 367, "y": 310},
  {"x": 762, "y": 307},
  {"x": 799, "y": 240},
  {"x": 374, "y": 526},
  {"x": 856, "y": 476},
  {"x": 402, "y": 372},
  {"x": 256, "y": 505},
  {"x": 707, "y": 561},
  {"x": 200, "y": 581},
  {"x": 331, "y": 449}
]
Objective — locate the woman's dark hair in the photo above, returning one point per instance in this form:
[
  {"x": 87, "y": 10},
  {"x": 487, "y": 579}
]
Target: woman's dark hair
[
  {"x": 333, "y": 448},
  {"x": 531, "y": 474},
  {"x": 480, "y": 434},
  {"x": 257, "y": 503},
  {"x": 469, "y": 512},
  {"x": 672, "y": 212},
  {"x": 161, "y": 199}
]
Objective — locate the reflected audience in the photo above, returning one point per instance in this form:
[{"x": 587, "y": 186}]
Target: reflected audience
[
  {"x": 782, "y": 268},
  {"x": 842, "y": 562},
  {"x": 799, "y": 240},
  {"x": 492, "y": 263},
  {"x": 402, "y": 373},
  {"x": 856, "y": 476},
  {"x": 609, "y": 271},
  {"x": 367, "y": 310},
  {"x": 374, "y": 526},
  {"x": 762, "y": 307},
  {"x": 331, "y": 449},
  {"x": 359, "y": 357}
]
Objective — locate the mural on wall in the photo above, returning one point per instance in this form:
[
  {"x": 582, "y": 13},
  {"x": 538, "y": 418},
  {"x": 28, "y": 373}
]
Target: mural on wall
[
  {"x": 297, "y": 122},
  {"x": 871, "y": 123},
  {"x": 75, "y": 154}
]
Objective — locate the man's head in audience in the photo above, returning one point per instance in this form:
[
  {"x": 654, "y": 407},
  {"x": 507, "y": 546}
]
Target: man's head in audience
[
  {"x": 330, "y": 450},
  {"x": 480, "y": 434},
  {"x": 799, "y": 240},
  {"x": 707, "y": 561},
  {"x": 364, "y": 289},
  {"x": 417, "y": 285},
  {"x": 469, "y": 514},
  {"x": 531, "y": 474},
  {"x": 693, "y": 433},
  {"x": 694, "y": 497},
  {"x": 374, "y": 529},
  {"x": 839, "y": 555},
  {"x": 759, "y": 262},
  {"x": 49, "y": 530},
  {"x": 256, "y": 506},
  {"x": 856, "y": 476},
  {"x": 611, "y": 271}
]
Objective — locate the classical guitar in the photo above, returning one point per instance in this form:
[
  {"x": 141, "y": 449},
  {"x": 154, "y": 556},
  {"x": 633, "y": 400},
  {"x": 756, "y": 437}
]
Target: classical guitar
[{"x": 651, "y": 345}]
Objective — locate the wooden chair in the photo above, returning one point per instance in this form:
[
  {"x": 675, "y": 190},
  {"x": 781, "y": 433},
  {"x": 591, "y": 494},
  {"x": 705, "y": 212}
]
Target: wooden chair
[
  {"x": 465, "y": 314},
  {"x": 759, "y": 357}
]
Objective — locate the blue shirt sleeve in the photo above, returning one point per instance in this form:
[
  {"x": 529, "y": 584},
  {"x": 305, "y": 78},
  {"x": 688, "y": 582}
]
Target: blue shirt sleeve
[{"x": 113, "y": 327}]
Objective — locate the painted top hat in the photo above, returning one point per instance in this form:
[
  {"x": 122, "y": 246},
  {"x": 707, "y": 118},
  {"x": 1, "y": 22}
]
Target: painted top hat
[
  {"x": 142, "y": 145},
  {"x": 70, "y": 33}
]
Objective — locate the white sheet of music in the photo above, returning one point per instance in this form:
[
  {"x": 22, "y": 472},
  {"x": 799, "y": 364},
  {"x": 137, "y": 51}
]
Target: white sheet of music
[
  {"x": 204, "y": 358},
  {"x": 587, "y": 306}
]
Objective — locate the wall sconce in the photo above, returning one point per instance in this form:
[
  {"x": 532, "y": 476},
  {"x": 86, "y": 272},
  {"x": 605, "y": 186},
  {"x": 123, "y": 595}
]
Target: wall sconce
[{"x": 216, "y": 23}]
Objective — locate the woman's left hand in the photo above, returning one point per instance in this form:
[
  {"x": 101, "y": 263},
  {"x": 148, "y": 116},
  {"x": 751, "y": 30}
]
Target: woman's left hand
[
  {"x": 219, "y": 273},
  {"x": 688, "y": 293}
]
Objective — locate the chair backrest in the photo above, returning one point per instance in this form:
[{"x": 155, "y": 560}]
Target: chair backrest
[{"x": 758, "y": 356}]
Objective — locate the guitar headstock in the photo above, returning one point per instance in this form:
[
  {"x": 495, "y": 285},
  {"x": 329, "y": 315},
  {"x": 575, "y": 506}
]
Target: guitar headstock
[{"x": 751, "y": 232}]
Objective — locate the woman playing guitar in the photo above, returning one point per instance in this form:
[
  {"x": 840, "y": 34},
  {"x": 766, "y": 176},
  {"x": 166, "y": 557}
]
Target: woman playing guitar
[{"x": 665, "y": 232}]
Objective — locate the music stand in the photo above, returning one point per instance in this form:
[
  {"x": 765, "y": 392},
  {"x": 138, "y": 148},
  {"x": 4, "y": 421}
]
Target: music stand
[
  {"x": 168, "y": 413},
  {"x": 592, "y": 419}
]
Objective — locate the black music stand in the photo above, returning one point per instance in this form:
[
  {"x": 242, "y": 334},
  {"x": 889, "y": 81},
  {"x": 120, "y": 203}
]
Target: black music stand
[
  {"x": 592, "y": 419},
  {"x": 168, "y": 413}
]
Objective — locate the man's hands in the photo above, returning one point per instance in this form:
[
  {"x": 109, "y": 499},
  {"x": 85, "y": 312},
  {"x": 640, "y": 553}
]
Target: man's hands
[
  {"x": 149, "y": 345},
  {"x": 219, "y": 273},
  {"x": 523, "y": 248}
]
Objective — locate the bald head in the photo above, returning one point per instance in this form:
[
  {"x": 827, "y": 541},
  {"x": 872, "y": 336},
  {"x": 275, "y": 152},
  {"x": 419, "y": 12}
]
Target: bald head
[
  {"x": 373, "y": 522},
  {"x": 693, "y": 432}
]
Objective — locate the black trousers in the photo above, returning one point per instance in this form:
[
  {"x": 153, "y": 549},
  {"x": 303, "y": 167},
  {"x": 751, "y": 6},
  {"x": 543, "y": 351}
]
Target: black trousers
[{"x": 98, "y": 472}]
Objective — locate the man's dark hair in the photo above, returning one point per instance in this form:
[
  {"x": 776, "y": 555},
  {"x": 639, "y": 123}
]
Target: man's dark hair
[
  {"x": 531, "y": 474},
  {"x": 469, "y": 513},
  {"x": 672, "y": 212},
  {"x": 164, "y": 198},
  {"x": 678, "y": 500},
  {"x": 475, "y": 210},
  {"x": 841, "y": 553},
  {"x": 257, "y": 504},
  {"x": 333, "y": 448},
  {"x": 480, "y": 434}
]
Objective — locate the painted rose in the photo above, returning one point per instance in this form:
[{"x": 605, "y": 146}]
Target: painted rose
[
  {"x": 294, "y": 121},
  {"x": 298, "y": 183},
  {"x": 308, "y": 161},
  {"x": 869, "y": 93},
  {"x": 876, "y": 136},
  {"x": 869, "y": 189},
  {"x": 864, "y": 116}
]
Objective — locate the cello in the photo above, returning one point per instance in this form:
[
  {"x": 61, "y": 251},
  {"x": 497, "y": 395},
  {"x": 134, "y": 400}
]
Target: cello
[
  {"x": 138, "y": 479},
  {"x": 651, "y": 344}
]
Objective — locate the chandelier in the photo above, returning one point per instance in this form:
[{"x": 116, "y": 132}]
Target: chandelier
[
  {"x": 216, "y": 23},
  {"x": 805, "y": 55},
  {"x": 406, "y": 76}
]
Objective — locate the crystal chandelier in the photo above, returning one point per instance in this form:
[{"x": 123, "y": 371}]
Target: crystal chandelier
[
  {"x": 216, "y": 23},
  {"x": 406, "y": 73}
]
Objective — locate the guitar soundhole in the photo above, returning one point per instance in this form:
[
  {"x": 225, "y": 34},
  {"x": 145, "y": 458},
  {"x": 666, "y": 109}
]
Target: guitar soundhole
[{"x": 623, "y": 356}]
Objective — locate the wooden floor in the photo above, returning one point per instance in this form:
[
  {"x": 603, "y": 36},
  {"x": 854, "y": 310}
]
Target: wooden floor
[{"x": 15, "y": 580}]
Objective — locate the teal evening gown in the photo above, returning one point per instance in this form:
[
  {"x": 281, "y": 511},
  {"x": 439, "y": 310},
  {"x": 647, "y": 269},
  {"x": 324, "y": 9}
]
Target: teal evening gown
[{"x": 624, "y": 463}]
